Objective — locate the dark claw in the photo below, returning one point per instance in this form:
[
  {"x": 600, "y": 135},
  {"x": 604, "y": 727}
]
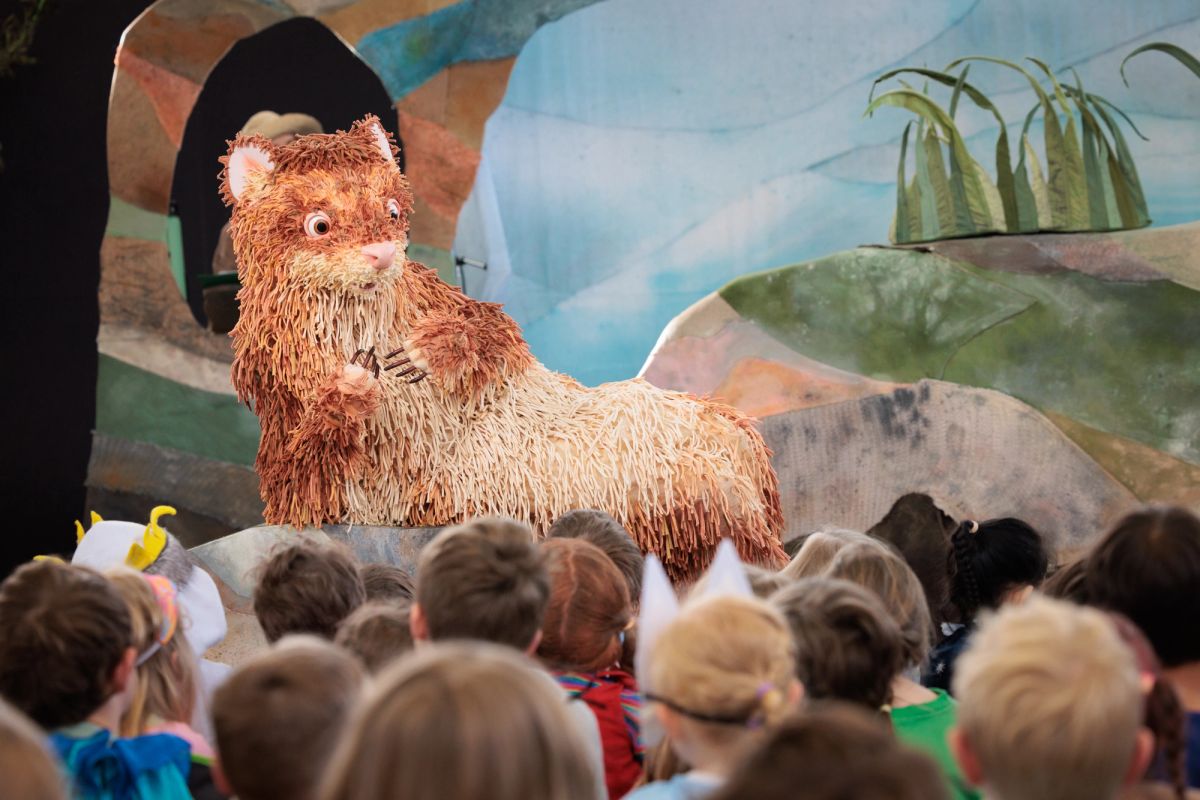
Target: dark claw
[
  {"x": 376, "y": 369},
  {"x": 398, "y": 364},
  {"x": 357, "y": 353},
  {"x": 408, "y": 371},
  {"x": 420, "y": 377},
  {"x": 395, "y": 352}
]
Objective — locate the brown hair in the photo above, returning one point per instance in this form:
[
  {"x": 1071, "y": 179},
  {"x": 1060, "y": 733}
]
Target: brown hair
[
  {"x": 485, "y": 580},
  {"x": 30, "y": 771},
  {"x": 1068, "y": 582},
  {"x": 588, "y": 609},
  {"x": 765, "y": 582},
  {"x": 386, "y": 582},
  {"x": 65, "y": 630},
  {"x": 817, "y": 550},
  {"x": 482, "y": 708},
  {"x": 377, "y": 633},
  {"x": 847, "y": 645},
  {"x": 602, "y": 530},
  {"x": 921, "y": 532},
  {"x": 1164, "y": 715},
  {"x": 1148, "y": 568},
  {"x": 307, "y": 588},
  {"x": 834, "y": 752},
  {"x": 278, "y": 717},
  {"x": 167, "y": 680},
  {"x": 880, "y": 569}
]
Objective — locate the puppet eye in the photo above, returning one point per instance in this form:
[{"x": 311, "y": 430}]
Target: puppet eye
[
  {"x": 317, "y": 225},
  {"x": 393, "y": 208}
]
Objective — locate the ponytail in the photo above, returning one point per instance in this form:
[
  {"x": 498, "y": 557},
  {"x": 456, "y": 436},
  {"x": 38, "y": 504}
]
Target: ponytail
[{"x": 966, "y": 595}]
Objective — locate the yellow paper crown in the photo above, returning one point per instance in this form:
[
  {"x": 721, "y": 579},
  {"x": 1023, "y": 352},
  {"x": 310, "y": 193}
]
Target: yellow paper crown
[
  {"x": 145, "y": 553},
  {"x": 79, "y": 532}
]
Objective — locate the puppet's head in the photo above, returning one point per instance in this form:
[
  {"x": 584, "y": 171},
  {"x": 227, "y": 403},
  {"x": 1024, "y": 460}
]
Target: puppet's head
[
  {"x": 325, "y": 213},
  {"x": 151, "y": 549}
]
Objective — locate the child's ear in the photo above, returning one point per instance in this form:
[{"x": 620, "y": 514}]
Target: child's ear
[
  {"x": 965, "y": 755},
  {"x": 219, "y": 779},
  {"x": 124, "y": 670},
  {"x": 417, "y": 624},
  {"x": 531, "y": 651},
  {"x": 1143, "y": 753},
  {"x": 249, "y": 158}
]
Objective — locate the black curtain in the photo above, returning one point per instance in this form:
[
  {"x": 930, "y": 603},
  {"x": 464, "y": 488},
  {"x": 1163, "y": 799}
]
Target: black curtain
[{"x": 53, "y": 208}]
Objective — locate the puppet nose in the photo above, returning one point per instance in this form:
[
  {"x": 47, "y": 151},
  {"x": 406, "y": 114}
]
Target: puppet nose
[{"x": 380, "y": 254}]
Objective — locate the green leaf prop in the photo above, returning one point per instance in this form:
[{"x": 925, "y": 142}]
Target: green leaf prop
[{"x": 1176, "y": 52}]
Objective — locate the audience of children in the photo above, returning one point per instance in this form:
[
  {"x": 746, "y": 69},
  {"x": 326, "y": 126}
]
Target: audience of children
[
  {"x": 995, "y": 562},
  {"x": 280, "y": 716},
  {"x": 68, "y": 660},
  {"x": 582, "y": 638},
  {"x": 308, "y": 587},
  {"x": 848, "y": 647},
  {"x": 462, "y": 720},
  {"x": 377, "y": 632},
  {"x": 812, "y": 694},
  {"x": 833, "y": 752},
  {"x": 721, "y": 674},
  {"x": 1050, "y": 705}
]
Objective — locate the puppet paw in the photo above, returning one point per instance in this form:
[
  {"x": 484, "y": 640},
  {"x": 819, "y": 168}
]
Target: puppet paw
[{"x": 412, "y": 364}]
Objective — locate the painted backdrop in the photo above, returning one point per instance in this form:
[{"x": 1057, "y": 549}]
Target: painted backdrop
[{"x": 646, "y": 153}]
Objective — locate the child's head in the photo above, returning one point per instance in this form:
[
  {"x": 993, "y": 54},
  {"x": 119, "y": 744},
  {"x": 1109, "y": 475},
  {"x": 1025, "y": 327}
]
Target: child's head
[
  {"x": 920, "y": 532},
  {"x": 589, "y": 608},
  {"x": 377, "y": 633},
  {"x": 834, "y": 752},
  {"x": 993, "y": 561},
  {"x": 483, "y": 709},
  {"x": 278, "y": 717},
  {"x": 167, "y": 672},
  {"x": 386, "y": 582},
  {"x": 1148, "y": 568},
  {"x": 602, "y": 530},
  {"x": 819, "y": 548},
  {"x": 719, "y": 671},
  {"x": 483, "y": 580},
  {"x": 881, "y": 570},
  {"x": 307, "y": 587},
  {"x": 1068, "y": 582},
  {"x": 67, "y": 642},
  {"x": 1050, "y": 705},
  {"x": 30, "y": 771},
  {"x": 847, "y": 645}
]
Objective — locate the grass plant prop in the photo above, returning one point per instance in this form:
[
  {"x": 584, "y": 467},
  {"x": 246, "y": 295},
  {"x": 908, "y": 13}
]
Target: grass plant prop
[{"x": 1090, "y": 182}]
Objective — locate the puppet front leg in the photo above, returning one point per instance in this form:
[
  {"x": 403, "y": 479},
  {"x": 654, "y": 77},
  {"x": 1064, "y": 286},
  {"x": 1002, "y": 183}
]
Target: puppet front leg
[{"x": 467, "y": 351}]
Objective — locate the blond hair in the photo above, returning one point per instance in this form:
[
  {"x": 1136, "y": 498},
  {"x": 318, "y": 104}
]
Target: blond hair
[
  {"x": 484, "y": 708},
  {"x": 1050, "y": 702},
  {"x": 724, "y": 660},
  {"x": 30, "y": 771},
  {"x": 819, "y": 548},
  {"x": 875, "y": 566},
  {"x": 168, "y": 679}
]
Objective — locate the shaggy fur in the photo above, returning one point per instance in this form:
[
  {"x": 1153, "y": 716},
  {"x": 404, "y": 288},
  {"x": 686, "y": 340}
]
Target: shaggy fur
[{"x": 491, "y": 431}]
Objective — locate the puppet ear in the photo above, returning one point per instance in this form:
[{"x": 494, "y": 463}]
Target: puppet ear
[
  {"x": 245, "y": 160},
  {"x": 659, "y": 607},
  {"x": 381, "y": 140}
]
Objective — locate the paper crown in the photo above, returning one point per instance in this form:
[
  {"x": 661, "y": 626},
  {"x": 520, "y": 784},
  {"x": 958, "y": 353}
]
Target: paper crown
[{"x": 121, "y": 542}]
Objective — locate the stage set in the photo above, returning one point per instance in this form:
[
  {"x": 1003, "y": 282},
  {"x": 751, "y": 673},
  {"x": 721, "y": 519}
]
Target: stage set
[{"x": 720, "y": 269}]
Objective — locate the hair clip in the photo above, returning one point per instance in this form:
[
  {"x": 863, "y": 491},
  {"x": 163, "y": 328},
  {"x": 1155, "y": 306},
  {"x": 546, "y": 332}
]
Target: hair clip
[{"x": 972, "y": 526}]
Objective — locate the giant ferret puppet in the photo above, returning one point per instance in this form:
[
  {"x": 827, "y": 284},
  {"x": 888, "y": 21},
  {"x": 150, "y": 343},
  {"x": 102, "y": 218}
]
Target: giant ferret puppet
[{"x": 388, "y": 397}]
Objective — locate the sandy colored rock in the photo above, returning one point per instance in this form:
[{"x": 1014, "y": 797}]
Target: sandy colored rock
[
  {"x": 141, "y": 157},
  {"x": 356, "y": 20},
  {"x": 978, "y": 453},
  {"x": 171, "y": 95}
]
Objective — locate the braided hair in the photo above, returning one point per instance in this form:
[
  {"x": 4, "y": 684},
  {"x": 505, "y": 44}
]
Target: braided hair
[{"x": 991, "y": 558}]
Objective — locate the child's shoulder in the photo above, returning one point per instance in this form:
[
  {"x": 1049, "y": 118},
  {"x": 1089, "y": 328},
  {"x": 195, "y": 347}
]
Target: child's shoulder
[
  {"x": 681, "y": 787},
  {"x": 155, "y": 765}
]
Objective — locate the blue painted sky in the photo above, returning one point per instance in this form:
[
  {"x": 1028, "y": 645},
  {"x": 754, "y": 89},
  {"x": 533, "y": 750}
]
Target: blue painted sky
[{"x": 648, "y": 152}]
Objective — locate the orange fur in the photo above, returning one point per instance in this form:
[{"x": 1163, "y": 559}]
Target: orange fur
[{"x": 491, "y": 430}]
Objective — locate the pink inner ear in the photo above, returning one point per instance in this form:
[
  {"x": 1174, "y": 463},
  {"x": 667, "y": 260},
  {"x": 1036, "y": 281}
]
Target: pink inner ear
[
  {"x": 382, "y": 142},
  {"x": 243, "y": 162}
]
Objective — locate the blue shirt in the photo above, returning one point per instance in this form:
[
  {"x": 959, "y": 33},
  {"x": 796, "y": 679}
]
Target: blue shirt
[
  {"x": 102, "y": 767},
  {"x": 1193, "y": 749},
  {"x": 688, "y": 786}
]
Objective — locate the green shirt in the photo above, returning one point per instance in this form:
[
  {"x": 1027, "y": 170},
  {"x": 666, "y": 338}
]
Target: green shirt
[{"x": 925, "y": 727}]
